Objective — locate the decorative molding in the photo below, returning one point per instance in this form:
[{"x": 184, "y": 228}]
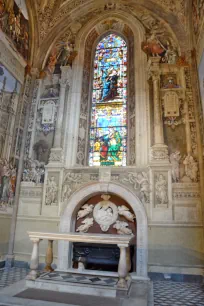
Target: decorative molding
[{"x": 56, "y": 155}]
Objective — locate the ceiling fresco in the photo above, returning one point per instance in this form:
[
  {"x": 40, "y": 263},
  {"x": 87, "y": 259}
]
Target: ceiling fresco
[{"x": 52, "y": 21}]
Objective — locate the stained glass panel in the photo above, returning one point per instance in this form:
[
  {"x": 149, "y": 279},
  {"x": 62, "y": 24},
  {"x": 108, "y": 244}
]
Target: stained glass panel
[{"x": 108, "y": 133}]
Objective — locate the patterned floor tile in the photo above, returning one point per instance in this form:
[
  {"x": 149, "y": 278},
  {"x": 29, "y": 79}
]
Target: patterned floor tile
[
  {"x": 84, "y": 279},
  {"x": 168, "y": 293},
  {"x": 12, "y": 275}
]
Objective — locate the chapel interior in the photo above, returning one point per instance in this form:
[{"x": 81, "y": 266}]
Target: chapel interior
[{"x": 102, "y": 152}]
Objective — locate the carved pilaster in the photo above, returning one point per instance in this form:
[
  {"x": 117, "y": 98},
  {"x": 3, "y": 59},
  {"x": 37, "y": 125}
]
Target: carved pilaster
[
  {"x": 159, "y": 151},
  {"x": 65, "y": 81}
]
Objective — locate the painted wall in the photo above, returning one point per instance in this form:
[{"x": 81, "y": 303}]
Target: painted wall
[{"x": 201, "y": 79}]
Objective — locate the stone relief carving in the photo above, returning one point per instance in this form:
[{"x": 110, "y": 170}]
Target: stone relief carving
[
  {"x": 105, "y": 213},
  {"x": 86, "y": 210},
  {"x": 161, "y": 189},
  {"x": 186, "y": 195},
  {"x": 122, "y": 228},
  {"x": 125, "y": 212},
  {"x": 140, "y": 183},
  {"x": 51, "y": 192},
  {"x": 87, "y": 223},
  {"x": 175, "y": 158},
  {"x": 191, "y": 168},
  {"x": 159, "y": 154},
  {"x": 71, "y": 182},
  {"x": 56, "y": 155}
]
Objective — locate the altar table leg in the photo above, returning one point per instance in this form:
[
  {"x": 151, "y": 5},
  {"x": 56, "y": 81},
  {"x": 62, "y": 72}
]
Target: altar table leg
[{"x": 49, "y": 257}]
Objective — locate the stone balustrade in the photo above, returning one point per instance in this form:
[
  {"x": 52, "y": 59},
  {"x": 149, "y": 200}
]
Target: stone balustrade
[{"x": 122, "y": 241}]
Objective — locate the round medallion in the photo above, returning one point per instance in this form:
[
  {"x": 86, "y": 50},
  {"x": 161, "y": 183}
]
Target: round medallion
[{"x": 105, "y": 213}]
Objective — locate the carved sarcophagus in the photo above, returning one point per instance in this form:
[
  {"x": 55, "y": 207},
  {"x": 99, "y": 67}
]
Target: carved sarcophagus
[{"x": 98, "y": 256}]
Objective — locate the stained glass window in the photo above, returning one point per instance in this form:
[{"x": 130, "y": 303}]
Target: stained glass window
[{"x": 108, "y": 132}]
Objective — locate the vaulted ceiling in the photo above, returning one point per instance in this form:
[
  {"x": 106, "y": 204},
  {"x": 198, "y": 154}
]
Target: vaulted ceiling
[{"x": 54, "y": 20}]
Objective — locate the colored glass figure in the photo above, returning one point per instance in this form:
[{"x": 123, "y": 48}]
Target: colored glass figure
[{"x": 108, "y": 133}]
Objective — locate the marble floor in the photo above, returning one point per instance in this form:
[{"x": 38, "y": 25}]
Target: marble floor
[{"x": 166, "y": 293}]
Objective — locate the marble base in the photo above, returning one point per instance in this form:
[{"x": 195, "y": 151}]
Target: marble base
[{"x": 78, "y": 288}]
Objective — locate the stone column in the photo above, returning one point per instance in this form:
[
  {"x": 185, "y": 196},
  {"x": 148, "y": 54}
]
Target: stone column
[
  {"x": 122, "y": 267},
  {"x": 49, "y": 256},
  {"x": 57, "y": 150},
  {"x": 159, "y": 151},
  {"x": 34, "y": 260},
  {"x": 10, "y": 255}
]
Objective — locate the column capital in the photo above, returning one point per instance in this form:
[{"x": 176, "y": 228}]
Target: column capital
[
  {"x": 35, "y": 240},
  {"x": 155, "y": 75}
]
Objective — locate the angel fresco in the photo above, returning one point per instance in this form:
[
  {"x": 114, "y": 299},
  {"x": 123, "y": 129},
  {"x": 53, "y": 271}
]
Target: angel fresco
[
  {"x": 63, "y": 54},
  {"x": 66, "y": 54},
  {"x": 159, "y": 43}
]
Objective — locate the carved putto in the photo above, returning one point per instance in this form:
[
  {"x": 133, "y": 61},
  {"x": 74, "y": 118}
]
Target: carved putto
[
  {"x": 105, "y": 213},
  {"x": 86, "y": 210},
  {"x": 125, "y": 212},
  {"x": 71, "y": 181},
  {"x": 122, "y": 228},
  {"x": 86, "y": 224},
  {"x": 140, "y": 182}
]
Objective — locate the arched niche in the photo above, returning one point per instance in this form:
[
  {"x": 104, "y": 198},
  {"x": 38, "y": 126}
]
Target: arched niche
[
  {"x": 68, "y": 218},
  {"x": 77, "y": 126}
]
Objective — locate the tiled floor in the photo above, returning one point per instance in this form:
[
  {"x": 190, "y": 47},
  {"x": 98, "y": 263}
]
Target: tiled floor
[
  {"x": 166, "y": 293},
  {"x": 8, "y": 277},
  {"x": 79, "y": 278}
]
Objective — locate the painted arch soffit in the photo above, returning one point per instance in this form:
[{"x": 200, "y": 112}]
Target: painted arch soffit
[
  {"x": 72, "y": 29},
  {"x": 54, "y": 16}
]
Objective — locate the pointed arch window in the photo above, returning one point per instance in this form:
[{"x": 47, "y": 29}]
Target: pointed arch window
[{"x": 108, "y": 131}]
